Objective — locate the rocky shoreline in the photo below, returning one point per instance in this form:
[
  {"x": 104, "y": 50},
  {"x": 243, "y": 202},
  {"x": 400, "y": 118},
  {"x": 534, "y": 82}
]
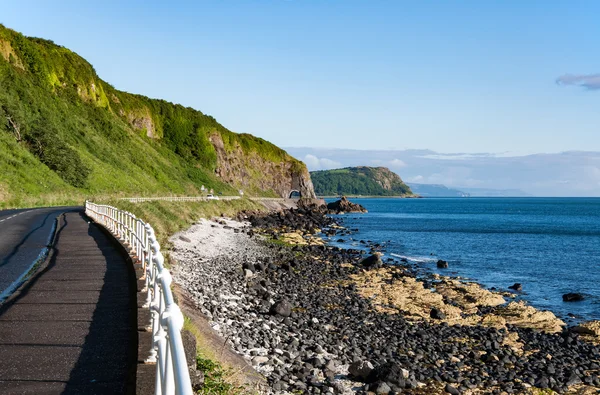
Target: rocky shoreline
[{"x": 318, "y": 319}]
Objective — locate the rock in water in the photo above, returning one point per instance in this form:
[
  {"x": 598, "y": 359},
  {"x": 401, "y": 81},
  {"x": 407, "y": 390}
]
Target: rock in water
[
  {"x": 361, "y": 370},
  {"x": 517, "y": 287},
  {"x": 442, "y": 264},
  {"x": 345, "y": 206},
  {"x": 437, "y": 314},
  {"x": 282, "y": 308},
  {"x": 572, "y": 297}
]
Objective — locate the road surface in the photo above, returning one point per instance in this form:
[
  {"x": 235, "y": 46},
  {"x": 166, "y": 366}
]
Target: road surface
[
  {"x": 24, "y": 234},
  {"x": 72, "y": 327}
]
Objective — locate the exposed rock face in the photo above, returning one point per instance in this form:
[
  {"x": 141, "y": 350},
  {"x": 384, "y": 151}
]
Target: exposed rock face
[
  {"x": 252, "y": 173},
  {"x": 9, "y": 54},
  {"x": 345, "y": 206},
  {"x": 142, "y": 120}
]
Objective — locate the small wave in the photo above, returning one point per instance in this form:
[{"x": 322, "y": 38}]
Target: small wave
[{"x": 419, "y": 259}]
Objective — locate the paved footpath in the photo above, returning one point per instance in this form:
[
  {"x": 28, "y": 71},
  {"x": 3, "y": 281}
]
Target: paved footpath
[{"x": 72, "y": 329}]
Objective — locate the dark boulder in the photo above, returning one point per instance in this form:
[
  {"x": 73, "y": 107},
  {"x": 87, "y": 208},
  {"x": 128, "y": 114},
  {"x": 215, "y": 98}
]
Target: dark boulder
[
  {"x": 371, "y": 262},
  {"x": 572, "y": 297},
  {"x": 361, "y": 370},
  {"x": 345, "y": 206},
  {"x": 437, "y": 314},
  {"x": 391, "y": 373},
  {"x": 442, "y": 264},
  {"x": 517, "y": 287},
  {"x": 282, "y": 308}
]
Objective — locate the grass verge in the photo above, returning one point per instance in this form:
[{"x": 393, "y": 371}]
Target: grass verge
[{"x": 217, "y": 378}]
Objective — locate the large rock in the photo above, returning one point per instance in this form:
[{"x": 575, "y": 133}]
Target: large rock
[
  {"x": 442, "y": 264},
  {"x": 345, "y": 206},
  {"x": 389, "y": 372},
  {"x": 282, "y": 308},
  {"x": 572, "y": 297},
  {"x": 361, "y": 370},
  {"x": 437, "y": 314},
  {"x": 371, "y": 262},
  {"x": 517, "y": 287}
]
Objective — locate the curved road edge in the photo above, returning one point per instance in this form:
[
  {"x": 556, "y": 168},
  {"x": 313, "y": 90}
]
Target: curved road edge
[{"x": 31, "y": 240}]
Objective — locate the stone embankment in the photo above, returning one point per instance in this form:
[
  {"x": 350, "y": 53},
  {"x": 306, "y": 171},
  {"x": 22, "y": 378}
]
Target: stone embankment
[{"x": 322, "y": 320}]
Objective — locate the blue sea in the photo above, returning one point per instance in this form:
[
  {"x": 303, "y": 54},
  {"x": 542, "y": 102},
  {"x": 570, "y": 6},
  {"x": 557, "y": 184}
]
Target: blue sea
[{"x": 549, "y": 245}]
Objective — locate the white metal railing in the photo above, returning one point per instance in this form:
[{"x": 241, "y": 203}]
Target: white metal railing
[
  {"x": 179, "y": 198},
  {"x": 172, "y": 374}
]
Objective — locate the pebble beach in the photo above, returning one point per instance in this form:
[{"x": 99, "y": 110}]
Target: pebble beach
[{"x": 318, "y": 319}]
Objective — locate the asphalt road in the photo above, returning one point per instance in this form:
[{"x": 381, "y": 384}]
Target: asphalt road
[
  {"x": 23, "y": 236},
  {"x": 72, "y": 328}
]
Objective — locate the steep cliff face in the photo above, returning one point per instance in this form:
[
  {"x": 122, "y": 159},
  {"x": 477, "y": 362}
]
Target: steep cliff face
[
  {"x": 247, "y": 170},
  {"x": 362, "y": 180},
  {"x": 67, "y": 134},
  {"x": 385, "y": 177}
]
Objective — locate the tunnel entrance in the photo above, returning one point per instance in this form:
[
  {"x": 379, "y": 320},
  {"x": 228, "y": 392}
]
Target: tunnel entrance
[{"x": 295, "y": 194}]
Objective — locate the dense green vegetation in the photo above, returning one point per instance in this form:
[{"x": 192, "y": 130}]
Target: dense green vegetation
[
  {"x": 363, "y": 181},
  {"x": 66, "y": 135}
]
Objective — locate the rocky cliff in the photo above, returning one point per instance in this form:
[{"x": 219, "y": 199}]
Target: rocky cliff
[
  {"x": 250, "y": 172},
  {"x": 65, "y": 134}
]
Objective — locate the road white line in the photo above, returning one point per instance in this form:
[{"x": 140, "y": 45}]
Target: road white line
[{"x": 12, "y": 216}]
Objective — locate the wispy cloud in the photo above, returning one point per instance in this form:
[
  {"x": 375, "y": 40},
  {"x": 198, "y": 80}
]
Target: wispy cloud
[
  {"x": 587, "y": 81},
  {"x": 315, "y": 163},
  {"x": 397, "y": 163}
]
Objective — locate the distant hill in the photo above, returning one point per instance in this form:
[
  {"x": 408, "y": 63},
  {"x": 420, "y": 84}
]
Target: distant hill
[
  {"x": 436, "y": 190},
  {"x": 65, "y": 134},
  {"x": 362, "y": 180},
  {"x": 487, "y": 192}
]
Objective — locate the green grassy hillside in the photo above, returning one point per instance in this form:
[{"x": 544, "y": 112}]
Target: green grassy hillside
[
  {"x": 363, "y": 181},
  {"x": 65, "y": 135}
]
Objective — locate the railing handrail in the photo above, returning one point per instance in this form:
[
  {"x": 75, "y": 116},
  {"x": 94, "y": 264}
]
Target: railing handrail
[{"x": 172, "y": 373}]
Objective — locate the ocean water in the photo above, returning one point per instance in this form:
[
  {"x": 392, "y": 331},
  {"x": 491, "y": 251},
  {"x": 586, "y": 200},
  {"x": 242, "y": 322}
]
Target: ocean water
[{"x": 549, "y": 245}]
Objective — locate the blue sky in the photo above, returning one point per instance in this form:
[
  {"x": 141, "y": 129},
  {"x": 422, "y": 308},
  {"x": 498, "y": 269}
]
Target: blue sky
[{"x": 450, "y": 76}]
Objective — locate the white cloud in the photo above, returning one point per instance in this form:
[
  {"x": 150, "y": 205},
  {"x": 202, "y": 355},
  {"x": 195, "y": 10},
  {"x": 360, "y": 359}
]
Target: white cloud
[
  {"x": 440, "y": 156},
  {"x": 397, "y": 163},
  {"x": 315, "y": 163}
]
